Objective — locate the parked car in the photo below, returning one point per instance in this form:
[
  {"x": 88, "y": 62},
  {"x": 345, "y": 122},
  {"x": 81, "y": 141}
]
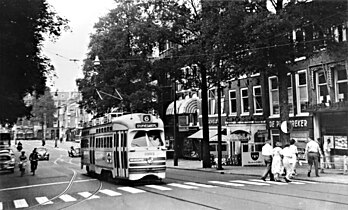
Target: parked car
[
  {"x": 74, "y": 152},
  {"x": 7, "y": 162},
  {"x": 8, "y": 150},
  {"x": 43, "y": 153}
]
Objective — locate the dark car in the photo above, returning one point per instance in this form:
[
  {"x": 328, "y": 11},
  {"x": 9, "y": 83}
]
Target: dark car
[
  {"x": 43, "y": 153},
  {"x": 7, "y": 162},
  {"x": 76, "y": 152}
]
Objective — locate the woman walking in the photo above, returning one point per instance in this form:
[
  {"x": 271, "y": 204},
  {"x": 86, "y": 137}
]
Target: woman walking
[{"x": 277, "y": 163}]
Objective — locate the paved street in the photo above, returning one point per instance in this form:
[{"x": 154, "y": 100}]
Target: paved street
[{"x": 61, "y": 184}]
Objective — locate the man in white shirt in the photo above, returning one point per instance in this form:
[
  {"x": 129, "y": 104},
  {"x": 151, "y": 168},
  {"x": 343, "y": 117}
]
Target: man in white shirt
[
  {"x": 327, "y": 150},
  {"x": 267, "y": 152},
  {"x": 313, "y": 152}
]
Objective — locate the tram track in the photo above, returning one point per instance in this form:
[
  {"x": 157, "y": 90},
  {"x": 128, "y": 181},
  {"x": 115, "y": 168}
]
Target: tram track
[{"x": 268, "y": 193}]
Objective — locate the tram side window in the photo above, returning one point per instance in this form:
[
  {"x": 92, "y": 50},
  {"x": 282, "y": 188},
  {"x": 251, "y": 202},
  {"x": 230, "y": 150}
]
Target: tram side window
[
  {"x": 116, "y": 139},
  {"x": 84, "y": 143},
  {"x": 139, "y": 139}
]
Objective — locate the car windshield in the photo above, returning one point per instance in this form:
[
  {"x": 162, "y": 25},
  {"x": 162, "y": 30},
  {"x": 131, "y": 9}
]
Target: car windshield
[{"x": 5, "y": 157}]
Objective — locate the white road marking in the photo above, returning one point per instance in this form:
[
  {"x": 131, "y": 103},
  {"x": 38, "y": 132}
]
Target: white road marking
[
  {"x": 308, "y": 182},
  {"x": 46, "y": 184},
  {"x": 88, "y": 194},
  {"x": 182, "y": 186},
  {"x": 157, "y": 187},
  {"x": 110, "y": 192},
  {"x": 67, "y": 198},
  {"x": 131, "y": 189},
  {"x": 21, "y": 203},
  {"x": 295, "y": 182},
  {"x": 43, "y": 200},
  {"x": 200, "y": 185},
  {"x": 227, "y": 183},
  {"x": 269, "y": 182},
  {"x": 1, "y": 206},
  {"x": 250, "y": 182}
]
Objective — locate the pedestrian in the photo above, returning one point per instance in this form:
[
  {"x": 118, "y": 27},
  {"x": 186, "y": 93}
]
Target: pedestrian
[
  {"x": 313, "y": 152},
  {"x": 61, "y": 139},
  {"x": 56, "y": 142},
  {"x": 327, "y": 155},
  {"x": 267, "y": 153},
  {"x": 287, "y": 159},
  {"x": 34, "y": 158},
  {"x": 277, "y": 163},
  {"x": 294, "y": 158}
]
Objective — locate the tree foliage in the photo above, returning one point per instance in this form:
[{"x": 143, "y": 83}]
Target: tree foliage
[
  {"x": 23, "y": 68},
  {"x": 43, "y": 109}
]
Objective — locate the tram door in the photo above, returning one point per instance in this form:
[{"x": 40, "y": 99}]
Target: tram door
[
  {"x": 121, "y": 153},
  {"x": 92, "y": 151}
]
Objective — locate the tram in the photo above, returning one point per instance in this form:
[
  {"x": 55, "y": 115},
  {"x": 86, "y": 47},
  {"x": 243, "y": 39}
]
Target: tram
[{"x": 127, "y": 147}]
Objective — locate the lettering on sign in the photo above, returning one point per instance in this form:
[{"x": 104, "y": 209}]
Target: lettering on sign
[
  {"x": 146, "y": 125},
  {"x": 294, "y": 123}
]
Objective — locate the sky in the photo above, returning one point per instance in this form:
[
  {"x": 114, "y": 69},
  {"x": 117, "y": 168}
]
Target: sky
[{"x": 73, "y": 44}]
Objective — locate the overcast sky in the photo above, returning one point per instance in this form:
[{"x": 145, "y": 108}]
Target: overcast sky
[{"x": 82, "y": 14}]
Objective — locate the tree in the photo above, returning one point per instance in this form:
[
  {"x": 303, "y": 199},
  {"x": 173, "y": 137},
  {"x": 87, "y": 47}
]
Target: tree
[
  {"x": 23, "y": 69},
  {"x": 43, "y": 109},
  {"x": 271, "y": 47}
]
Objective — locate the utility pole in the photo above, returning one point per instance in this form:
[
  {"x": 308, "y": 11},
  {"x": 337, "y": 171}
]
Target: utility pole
[{"x": 174, "y": 131}]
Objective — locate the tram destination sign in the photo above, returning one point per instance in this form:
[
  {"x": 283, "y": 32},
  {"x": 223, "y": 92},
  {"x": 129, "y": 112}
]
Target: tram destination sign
[{"x": 146, "y": 125}]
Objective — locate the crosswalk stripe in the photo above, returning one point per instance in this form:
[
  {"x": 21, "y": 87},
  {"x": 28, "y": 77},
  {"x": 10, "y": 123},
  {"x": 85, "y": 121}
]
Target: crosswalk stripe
[
  {"x": 269, "y": 182},
  {"x": 110, "y": 192},
  {"x": 21, "y": 203},
  {"x": 158, "y": 187},
  {"x": 43, "y": 200},
  {"x": 182, "y": 186},
  {"x": 250, "y": 182},
  {"x": 227, "y": 183},
  {"x": 295, "y": 182},
  {"x": 131, "y": 189},
  {"x": 308, "y": 182},
  {"x": 67, "y": 198},
  {"x": 1, "y": 206},
  {"x": 88, "y": 195},
  {"x": 199, "y": 185}
]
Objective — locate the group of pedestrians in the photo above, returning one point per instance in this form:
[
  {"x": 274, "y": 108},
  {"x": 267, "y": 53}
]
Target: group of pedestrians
[
  {"x": 33, "y": 158},
  {"x": 280, "y": 160}
]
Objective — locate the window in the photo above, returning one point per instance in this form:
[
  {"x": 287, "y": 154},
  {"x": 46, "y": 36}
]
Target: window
[
  {"x": 245, "y": 100},
  {"x": 257, "y": 100},
  {"x": 341, "y": 82},
  {"x": 322, "y": 91},
  {"x": 302, "y": 94},
  {"x": 211, "y": 101},
  {"x": 233, "y": 102},
  {"x": 290, "y": 95},
  {"x": 274, "y": 95}
]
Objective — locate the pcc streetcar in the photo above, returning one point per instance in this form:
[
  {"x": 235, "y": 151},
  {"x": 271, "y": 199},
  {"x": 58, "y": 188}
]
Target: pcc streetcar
[{"x": 128, "y": 147}]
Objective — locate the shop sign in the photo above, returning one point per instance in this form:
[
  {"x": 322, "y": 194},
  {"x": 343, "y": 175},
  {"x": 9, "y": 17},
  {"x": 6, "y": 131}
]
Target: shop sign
[
  {"x": 252, "y": 158},
  {"x": 296, "y": 123}
]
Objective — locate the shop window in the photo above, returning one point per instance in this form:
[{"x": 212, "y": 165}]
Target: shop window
[
  {"x": 257, "y": 100},
  {"x": 233, "y": 102},
  {"x": 302, "y": 91},
  {"x": 245, "y": 100},
  {"x": 275, "y": 135},
  {"x": 341, "y": 82},
  {"x": 322, "y": 90},
  {"x": 274, "y": 95},
  {"x": 211, "y": 101}
]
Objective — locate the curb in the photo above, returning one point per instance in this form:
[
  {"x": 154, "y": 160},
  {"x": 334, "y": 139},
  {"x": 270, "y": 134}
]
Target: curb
[{"x": 224, "y": 172}]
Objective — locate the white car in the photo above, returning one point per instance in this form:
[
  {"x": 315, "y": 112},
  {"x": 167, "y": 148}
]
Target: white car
[{"x": 7, "y": 162}]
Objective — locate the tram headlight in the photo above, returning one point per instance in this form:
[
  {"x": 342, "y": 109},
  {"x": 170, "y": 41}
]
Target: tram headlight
[{"x": 136, "y": 159}]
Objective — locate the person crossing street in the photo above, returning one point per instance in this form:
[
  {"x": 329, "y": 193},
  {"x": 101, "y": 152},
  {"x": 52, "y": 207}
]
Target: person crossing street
[{"x": 267, "y": 152}]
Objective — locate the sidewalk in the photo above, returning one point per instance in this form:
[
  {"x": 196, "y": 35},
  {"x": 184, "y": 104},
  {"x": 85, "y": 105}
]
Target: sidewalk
[{"x": 329, "y": 176}]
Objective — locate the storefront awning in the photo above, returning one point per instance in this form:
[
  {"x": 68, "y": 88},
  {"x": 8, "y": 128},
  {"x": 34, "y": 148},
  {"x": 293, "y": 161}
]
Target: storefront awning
[
  {"x": 199, "y": 134},
  {"x": 188, "y": 106}
]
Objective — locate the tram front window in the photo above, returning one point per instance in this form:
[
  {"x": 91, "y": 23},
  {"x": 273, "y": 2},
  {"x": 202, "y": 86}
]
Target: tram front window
[{"x": 147, "y": 138}]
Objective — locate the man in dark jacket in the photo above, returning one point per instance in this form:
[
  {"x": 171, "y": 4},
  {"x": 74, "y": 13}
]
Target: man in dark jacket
[{"x": 34, "y": 158}]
